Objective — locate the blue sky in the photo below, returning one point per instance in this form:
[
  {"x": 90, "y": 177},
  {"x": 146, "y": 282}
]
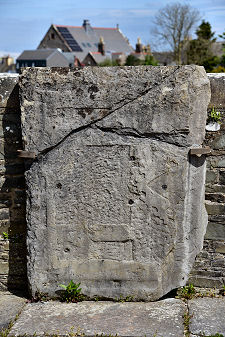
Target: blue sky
[{"x": 24, "y": 22}]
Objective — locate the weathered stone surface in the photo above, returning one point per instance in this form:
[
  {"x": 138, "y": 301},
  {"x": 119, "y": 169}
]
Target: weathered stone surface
[
  {"x": 163, "y": 318},
  {"x": 207, "y": 316},
  {"x": 215, "y": 231},
  {"x": 10, "y": 306},
  {"x": 114, "y": 200},
  {"x": 8, "y": 91}
]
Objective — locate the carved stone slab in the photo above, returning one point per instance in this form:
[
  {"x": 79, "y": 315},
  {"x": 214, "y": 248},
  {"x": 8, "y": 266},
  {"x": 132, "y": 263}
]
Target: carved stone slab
[{"x": 114, "y": 200}]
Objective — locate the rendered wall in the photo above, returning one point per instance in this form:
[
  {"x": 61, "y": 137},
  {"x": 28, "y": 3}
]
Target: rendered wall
[{"x": 114, "y": 200}]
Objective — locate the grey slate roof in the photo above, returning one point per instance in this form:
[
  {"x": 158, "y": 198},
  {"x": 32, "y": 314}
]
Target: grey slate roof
[
  {"x": 38, "y": 54},
  {"x": 88, "y": 40}
]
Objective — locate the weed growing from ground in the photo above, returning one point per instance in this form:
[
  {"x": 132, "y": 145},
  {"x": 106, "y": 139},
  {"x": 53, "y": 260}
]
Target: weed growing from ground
[
  {"x": 72, "y": 292},
  {"x": 187, "y": 292}
]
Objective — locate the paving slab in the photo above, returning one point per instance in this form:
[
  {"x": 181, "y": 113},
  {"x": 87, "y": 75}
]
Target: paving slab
[
  {"x": 207, "y": 316},
  {"x": 10, "y": 306},
  {"x": 162, "y": 319}
]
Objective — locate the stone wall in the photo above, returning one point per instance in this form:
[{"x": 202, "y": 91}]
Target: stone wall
[
  {"x": 209, "y": 268},
  {"x": 12, "y": 194}
]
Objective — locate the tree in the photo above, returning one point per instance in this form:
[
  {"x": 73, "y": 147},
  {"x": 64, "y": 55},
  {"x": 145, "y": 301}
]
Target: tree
[
  {"x": 174, "y": 24},
  {"x": 199, "y": 51}
]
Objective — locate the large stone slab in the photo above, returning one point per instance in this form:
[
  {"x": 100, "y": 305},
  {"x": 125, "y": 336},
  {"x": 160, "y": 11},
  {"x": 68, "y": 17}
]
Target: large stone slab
[
  {"x": 114, "y": 200},
  {"x": 163, "y": 318},
  {"x": 10, "y": 306},
  {"x": 207, "y": 316}
]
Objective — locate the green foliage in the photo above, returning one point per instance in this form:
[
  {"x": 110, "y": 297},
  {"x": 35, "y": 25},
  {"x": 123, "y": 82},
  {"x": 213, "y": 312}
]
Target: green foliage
[
  {"x": 108, "y": 63},
  {"x": 204, "y": 31},
  {"x": 149, "y": 61},
  {"x": 132, "y": 61},
  {"x": 124, "y": 299},
  {"x": 5, "y": 236},
  {"x": 210, "y": 63},
  {"x": 187, "y": 292},
  {"x": 72, "y": 292},
  {"x": 199, "y": 51},
  {"x": 214, "y": 116},
  {"x": 218, "y": 69}
]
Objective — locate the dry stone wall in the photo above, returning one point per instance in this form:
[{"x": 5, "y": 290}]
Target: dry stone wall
[
  {"x": 209, "y": 268},
  {"x": 114, "y": 199},
  {"x": 13, "y": 273}
]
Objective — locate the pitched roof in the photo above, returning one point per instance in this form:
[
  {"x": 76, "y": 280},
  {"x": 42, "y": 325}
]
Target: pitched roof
[
  {"x": 98, "y": 57},
  {"x": 37, "y": 54},
  {"x": 84, "y": 39}
]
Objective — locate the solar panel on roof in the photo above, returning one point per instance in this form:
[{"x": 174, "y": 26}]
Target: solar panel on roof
[{"x": 69, "y": 39}]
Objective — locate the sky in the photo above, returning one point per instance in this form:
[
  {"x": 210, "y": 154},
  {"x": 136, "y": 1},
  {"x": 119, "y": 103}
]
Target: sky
[{"x": 25, "y": 22}]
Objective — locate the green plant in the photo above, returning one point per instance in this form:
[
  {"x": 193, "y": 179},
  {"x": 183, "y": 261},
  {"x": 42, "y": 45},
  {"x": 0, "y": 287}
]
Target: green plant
[
  {"x": 214, "y": 116},
  {"x": 187, "y": 318},
  {"x": 124, "y": 299},
  {"x": 187, "y": 292},
  {"x": 72, "y": 292},
  {"x": 5, "y": 236}
]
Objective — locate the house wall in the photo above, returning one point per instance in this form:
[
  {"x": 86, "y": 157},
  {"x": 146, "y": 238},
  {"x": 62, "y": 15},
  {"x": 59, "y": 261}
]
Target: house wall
[
  {"x": 49, "y": 42},
  {"x": 57, "y": 60},
  {"x": 209, "y": 268}
]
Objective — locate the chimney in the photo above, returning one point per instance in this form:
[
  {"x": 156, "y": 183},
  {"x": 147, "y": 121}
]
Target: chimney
[
  {"x": 101, "y": 46},
  {"x": 138, "y": 46},
  {"x": 86, "y": 25}
]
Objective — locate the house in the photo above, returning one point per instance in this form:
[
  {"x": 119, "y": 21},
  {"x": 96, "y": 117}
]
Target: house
[
  {"x": 46, "y": 58},
  {"x": 85, "y": 39},
  {"x": 7, "y": 64}
]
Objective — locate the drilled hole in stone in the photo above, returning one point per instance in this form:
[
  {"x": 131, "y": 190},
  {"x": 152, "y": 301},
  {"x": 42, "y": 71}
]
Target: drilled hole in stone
[
  {"x": 164, "y": 187},
  {"x": 130, "y": 202},
  {"x": 132, "y": 158},
  {"x": 59, "y": 185},
  {"x": 53, "y": 127},
  {"x": 66, "y": 250}
]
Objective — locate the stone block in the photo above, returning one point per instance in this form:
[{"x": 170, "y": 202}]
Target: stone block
[
  {"x": 207, "y": 316},
  {"x": 219, "y": 142},
  {"x": 206, "y": 281},
  {"x": 163, "y": 318},
  {"x": 217, "y": 90},
  {"x": 214, "y": 188},
  {"x": 214, "y": 208},
  {"x": 211, "y": 176},
  {"x": 10, "y": 306},
  {"x": 215, "y": 197},
  {"x": 221, "y": 163},
  {"x": 4, "y": 267},
  {"x": 114, "y": 199},
  {"x": 220, "y": 248},
  {"x": 222, "y": 178},
  {"x": 9, "y": 91},
  {"x": 215, "y": 231}
]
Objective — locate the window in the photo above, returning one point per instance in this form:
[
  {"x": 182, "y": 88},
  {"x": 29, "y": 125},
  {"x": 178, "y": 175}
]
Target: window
[
  {"x": 83, "y": 44},
  {"x": 52, "y": 36},
  {"x": 88, "y": 44}
]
